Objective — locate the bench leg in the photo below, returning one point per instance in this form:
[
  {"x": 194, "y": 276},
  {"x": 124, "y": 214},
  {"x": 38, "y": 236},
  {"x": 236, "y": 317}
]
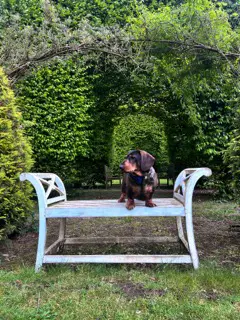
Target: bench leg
[
  {"x": 62, "y": 232},
  {"x": 181, "y": 233},
  {"x": 191, "y": 240},
  {"x": 41, "y": 242}
]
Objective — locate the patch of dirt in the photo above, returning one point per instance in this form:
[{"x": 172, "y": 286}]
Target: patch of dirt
[
  {"x": 135, "y": 290},
  {"x": 215, "y": 239},
  {"x": 212, "y": 295}
]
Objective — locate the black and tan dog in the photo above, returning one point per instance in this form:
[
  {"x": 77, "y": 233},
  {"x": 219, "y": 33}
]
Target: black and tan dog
[{"x": 139, "y": 179}]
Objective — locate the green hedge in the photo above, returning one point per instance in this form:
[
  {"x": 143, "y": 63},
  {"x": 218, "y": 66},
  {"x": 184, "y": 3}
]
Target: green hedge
[
  {"x": 232, "y": 158},
  {"x": 15, "y": 158},
  {"x": 55, "y": 102},
  {"x": 142, "y": 132}
]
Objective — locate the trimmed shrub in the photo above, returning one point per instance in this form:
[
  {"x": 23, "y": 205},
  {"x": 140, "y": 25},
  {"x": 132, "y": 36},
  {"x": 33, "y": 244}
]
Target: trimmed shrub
[
  {"x": 15, "y": 158},
  {"x": 55, "y": 103},
  {"x": 140, "y": 132}
]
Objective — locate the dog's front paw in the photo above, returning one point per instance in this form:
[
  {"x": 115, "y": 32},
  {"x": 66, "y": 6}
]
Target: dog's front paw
[
  {"x": 150, "y": 204},
  {"x": 122, "y": 198},
  {"x": 130, "y": 204}
]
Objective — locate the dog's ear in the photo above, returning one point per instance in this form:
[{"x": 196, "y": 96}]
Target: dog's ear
[{"x": 147, "y": 160}]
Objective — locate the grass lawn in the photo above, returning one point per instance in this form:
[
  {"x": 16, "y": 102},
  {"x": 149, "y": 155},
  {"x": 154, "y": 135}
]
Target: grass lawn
[{"x": 129, "y": 291}]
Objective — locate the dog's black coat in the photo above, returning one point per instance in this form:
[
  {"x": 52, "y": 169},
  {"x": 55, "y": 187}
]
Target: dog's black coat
[{"x": 139, "y": 183}]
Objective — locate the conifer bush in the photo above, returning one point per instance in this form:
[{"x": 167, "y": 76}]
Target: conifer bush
[{"x": 15, "y": 158}]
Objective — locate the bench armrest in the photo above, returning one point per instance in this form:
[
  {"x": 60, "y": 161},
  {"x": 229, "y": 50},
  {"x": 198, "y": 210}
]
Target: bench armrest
[
  {"x": 186, "y": 181},
  {"x": 51, "y": 182}
]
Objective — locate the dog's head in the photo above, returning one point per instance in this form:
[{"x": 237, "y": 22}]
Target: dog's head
[{"x": 137, "y": 160}]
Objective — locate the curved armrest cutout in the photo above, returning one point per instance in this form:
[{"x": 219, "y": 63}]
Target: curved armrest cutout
[
  {"x": 186, "y": 181},
  {"x": 45, "y": 184}
]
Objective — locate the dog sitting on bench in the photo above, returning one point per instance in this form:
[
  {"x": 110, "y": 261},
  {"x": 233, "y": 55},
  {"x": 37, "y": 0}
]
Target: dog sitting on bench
[{"x": 139, "y": 178}]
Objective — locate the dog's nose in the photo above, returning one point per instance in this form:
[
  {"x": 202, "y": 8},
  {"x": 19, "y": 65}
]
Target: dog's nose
[{"x": 121, "y": 166}]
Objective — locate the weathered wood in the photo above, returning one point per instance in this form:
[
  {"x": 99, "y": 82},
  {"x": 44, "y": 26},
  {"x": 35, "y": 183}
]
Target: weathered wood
[
  {"x": 55, "y": 199},
  {"x": 53, "y": 247},
  {"x": 178, "y": 206},
  {"x": 111, "y": 208},
  {"x": 160, "y": 202},
  {"x": 119, "y": 240},
  {"x": 181, "y": 233},
  {"x": 117, "y": 258},
  {"x": 179, "y": 197}
]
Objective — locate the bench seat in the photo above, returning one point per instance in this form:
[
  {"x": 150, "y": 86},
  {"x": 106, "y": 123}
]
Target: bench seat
[{"x": 111, "y": 208}]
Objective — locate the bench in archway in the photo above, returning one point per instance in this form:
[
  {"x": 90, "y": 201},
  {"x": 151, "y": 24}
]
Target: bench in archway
[{"x": 179, "y": 206}]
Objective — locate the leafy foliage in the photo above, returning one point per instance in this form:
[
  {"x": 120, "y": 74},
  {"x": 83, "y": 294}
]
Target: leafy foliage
[
  {"x": 232, "y": 156},
  {"x": 15, "y": 158},
  {"x": 200, "y": 88},
  {"x": 98, "y": 12},
  {"x": 176, "y": 61},
  {"x": 55, "y": 103},
  {"x": 140, "y": 132},
  {"x": 29, "y": 12}
]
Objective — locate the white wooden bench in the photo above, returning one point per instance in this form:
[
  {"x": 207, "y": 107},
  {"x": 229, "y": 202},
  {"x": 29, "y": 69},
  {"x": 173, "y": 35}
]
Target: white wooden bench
[{"x": 179, "y": 206}]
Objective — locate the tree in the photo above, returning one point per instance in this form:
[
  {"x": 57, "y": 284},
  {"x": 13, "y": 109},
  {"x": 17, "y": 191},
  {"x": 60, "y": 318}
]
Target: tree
[
  {"x": 194, "y": 57},
  {"x": 15, "y": 158},
  {"x": 178, "y": 63}
]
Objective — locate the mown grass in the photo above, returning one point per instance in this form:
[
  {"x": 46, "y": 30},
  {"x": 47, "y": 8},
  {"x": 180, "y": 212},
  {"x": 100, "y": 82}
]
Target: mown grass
[
  {"x": 126, "y": 292},
  {"x": 120, "y": 292},
  {"x": 216, "y": 209}
]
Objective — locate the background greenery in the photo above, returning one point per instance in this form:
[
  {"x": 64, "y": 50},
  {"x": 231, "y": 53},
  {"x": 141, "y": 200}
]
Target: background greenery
[
  {"x": 139, "y": 132},
  {"x": 15, "y": 158},
  {"x": 83, "y": 71}
]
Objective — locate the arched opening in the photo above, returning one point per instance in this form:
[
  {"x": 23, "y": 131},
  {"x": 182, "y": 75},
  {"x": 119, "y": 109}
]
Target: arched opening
[{"x": 139, "y": 131}]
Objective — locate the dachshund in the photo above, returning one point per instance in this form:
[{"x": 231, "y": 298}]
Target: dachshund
[{"x": 139, "y": 178}]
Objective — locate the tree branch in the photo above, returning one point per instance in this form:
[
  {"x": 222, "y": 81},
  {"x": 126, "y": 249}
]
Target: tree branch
[{"x": 199, "y": 46}]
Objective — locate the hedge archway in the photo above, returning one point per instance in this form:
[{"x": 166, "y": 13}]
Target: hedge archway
[{"x": 142, "y": 132}]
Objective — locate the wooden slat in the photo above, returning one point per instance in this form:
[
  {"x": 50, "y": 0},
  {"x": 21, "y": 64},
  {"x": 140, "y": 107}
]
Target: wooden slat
[
  {"x": 54, "y": 246},
  {"x": 43, "y": 181},
  {"x": 161, "y": 203},
  {"x": 106, "y": 240},
  {"x": 179, "y": 197},
  {"x": 113, "y": 212},
  {"x": 184, "y": 242},
  {"x": 51, "y": 184},
  {"x": 117, "y": 259},
  {"x": 111, "y": 208},
  {"x": 55, "y": 199}
]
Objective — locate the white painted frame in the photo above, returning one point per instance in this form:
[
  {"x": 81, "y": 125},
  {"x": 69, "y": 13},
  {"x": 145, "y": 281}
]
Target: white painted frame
[{"x": 58, "y": 207}]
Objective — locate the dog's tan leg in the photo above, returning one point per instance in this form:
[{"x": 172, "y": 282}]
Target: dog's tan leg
[
  {"x": 150, "y": 203},
  {"x": 130, "y": 204},
  {"x": 122, "y": 197},
  {"x": 149, "y": 190}
]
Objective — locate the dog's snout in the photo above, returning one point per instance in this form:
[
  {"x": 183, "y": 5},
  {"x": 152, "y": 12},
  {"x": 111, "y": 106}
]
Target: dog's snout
[{"x": 121, "y": 166}]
